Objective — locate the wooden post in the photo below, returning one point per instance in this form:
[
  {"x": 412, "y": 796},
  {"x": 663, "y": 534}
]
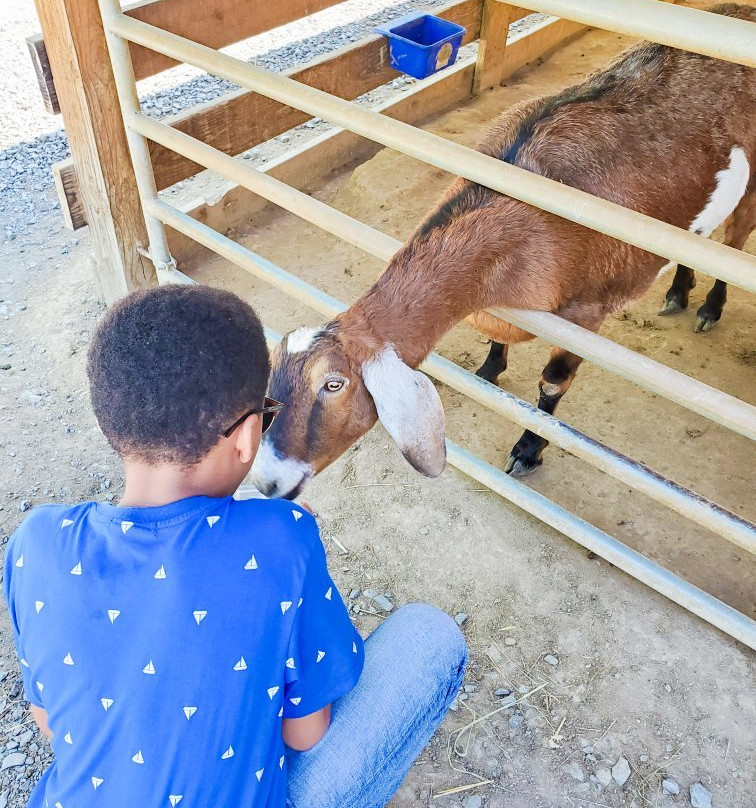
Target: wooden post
[
  {"x": 494, "y": 27},
  {"x": 75, "y": 44}
]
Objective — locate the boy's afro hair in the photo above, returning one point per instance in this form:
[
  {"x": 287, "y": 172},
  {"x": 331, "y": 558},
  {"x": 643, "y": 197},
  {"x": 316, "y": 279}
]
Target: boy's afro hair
[{"x": 171, "y": 367}]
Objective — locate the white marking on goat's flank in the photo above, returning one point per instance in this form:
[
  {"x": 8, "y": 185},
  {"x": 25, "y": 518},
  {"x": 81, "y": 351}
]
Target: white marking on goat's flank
[
  {"x": 300, "y": 340},
  {"x": 731, "y": 185},
  {"x": 271, "y": 468}
]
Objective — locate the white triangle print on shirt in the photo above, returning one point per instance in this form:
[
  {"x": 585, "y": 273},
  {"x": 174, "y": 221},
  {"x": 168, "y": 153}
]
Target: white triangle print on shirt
[
  {"x": 241, "y": 665},
  {"x": 290, "y": 663},
  {"x": 66, "y": 523},
  {"x": 199, "y": 616},
  {"x": 138, "y": 757},
  {"x": 189, "y": 712},
  {"x": 211, "y": 520},
  {"x": 281, "y": 761},
  {"x": 77, "y": 569},
  {"x": 68, "y": 659},
  {"x": 149, "y": 668},
  {"x": 59, "y": 804},
  {"x": 106, "y": 704},
  {"x": 297, "y": 515},
  {"x": 285, "y": 606},
  {"x": 259, "y": 774},
  {"x": 40, "y": 686},
  {"x": 229, "y": 753},
  {"x": 24, "y": 663},
  {"x": 126, "y": 526},
  {"x": 67, "y": 738},
  {"x": 175, "y": 799},
  {"x": 97, "y": 782},
  {"x": 329, "y": 593},
  {"x": 251, "y": 564},
  {"x": 113, "y": 614},
  {"x": 38, "y": 604},
  {"x": 295, "y": 701},
  {"x": 160, "y": 574},
  {"x": 280, "y": 712},
  {"x": 272, "y": 692},
  {"x": 354, "y": 647},
  {"x": 300, "y": 602},
  {"x": 321, "y": 654},
  {"x": 20, "y": 562}
]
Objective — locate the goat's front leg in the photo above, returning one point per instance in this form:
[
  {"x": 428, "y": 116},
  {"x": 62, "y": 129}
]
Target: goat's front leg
[
  {"x": 676, "y": 298},
  {"x": 557, "y": 376},
  {"x": 495, "y": 364}
]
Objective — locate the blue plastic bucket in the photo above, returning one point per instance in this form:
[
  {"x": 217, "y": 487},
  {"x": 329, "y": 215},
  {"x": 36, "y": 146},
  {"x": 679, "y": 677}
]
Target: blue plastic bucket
[{"x": 421, "y": 44}]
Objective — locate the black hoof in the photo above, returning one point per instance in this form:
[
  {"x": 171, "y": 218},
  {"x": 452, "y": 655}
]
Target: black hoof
[
  {"x": 673, "y": 305},
  {"x": 490, "y": 374},
  {"x": 708, "y": 317},
  {"x": 521, "y": 467}
]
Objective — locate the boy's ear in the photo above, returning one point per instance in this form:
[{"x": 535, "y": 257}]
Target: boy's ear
[{"x": 248, "y": 438}]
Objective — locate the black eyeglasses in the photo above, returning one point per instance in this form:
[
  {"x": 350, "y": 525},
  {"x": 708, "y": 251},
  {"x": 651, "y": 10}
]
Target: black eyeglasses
[{"x": 268, "y": 412}]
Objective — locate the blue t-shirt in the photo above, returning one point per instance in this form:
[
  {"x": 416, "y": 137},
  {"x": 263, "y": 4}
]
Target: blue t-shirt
[{"x": 166, "y": 645}]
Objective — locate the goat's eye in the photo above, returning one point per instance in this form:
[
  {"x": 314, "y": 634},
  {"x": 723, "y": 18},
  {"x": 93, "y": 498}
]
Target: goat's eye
[{"x": 334, "y": 385}]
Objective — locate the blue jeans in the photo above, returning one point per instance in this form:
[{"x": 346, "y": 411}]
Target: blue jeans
[{"x": 414, "y": 665}]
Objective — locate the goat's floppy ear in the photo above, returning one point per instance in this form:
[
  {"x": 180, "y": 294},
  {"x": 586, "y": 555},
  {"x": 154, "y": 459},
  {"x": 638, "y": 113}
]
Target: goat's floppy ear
[{"x": 409, "y": 408}]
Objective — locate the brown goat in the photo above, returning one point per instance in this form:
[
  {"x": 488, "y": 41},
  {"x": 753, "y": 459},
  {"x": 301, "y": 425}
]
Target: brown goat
[{"x": 665, "y": 132}]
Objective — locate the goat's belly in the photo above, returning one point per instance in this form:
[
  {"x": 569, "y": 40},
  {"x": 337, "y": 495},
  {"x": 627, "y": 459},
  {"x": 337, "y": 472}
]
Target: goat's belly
[{"x": 496, "y": 329}]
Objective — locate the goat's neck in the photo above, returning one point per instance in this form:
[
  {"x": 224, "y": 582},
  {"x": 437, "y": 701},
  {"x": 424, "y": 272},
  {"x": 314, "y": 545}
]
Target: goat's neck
[{"x": 427, "y": 288}]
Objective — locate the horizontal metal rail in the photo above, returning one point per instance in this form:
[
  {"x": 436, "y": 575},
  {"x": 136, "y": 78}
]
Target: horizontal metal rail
[
  {"x": 680, "y": 499},
  {"x": 635, "y": 564},
  {"x": 651, "y": 375},
  {"x": 659, "y": 238},
  {"x": 679, "y": 27}
]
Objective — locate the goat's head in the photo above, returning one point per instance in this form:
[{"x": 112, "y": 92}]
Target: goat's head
[{"x": 335, "y": 389}]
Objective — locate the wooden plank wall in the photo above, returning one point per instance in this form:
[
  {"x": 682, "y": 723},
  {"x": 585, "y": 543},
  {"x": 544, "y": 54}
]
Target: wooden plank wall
[{"x": 239, "y": 120}]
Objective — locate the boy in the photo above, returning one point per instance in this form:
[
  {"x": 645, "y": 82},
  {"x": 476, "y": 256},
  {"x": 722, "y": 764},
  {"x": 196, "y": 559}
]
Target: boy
[{"x": 172, "y": 646}]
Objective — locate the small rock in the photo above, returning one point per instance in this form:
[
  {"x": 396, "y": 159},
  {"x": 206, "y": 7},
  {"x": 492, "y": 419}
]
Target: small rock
[
  {"x": 26, "y": 738},
  {"x": 381, "y": 601},
  {"x": 24, "y": 505},
  {"x": 551, "y": 659},
  {"x": 515, "y": 720},
  {"x": 603, "y": 775},
  {"x": 508, "y": 701},
  {"x": 460, "y": 619},
  {"x": 700, "y": 797},
  {"x": 670, "y": 786},
  {"x": 668, "y": 688},
  {"x": 501, "y": 692},
  {"x": 573, "y": 770},
  {"x": 621, "y": 771},
  {"x": 473, "y": 801},
  {"x": 510, "y": 641},
  {"x": 354, "y": 594},
  {"x": 470, "y": 688},
  {"x": 19, "y": 758}
]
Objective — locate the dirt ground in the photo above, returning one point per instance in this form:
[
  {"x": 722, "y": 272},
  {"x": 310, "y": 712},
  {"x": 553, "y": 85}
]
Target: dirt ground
[{"x": 636, "y": 676}]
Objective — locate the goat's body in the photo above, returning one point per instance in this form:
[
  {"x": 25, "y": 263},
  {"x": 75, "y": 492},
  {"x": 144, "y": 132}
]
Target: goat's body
[{"x": 651, "y": 133}]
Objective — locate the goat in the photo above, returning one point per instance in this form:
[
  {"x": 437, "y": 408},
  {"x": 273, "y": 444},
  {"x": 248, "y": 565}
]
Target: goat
[{"x": 662, "y": 131}]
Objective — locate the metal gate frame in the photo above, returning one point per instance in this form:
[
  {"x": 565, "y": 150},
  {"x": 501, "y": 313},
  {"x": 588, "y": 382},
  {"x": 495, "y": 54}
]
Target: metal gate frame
[{"x": 698, "y": 31}]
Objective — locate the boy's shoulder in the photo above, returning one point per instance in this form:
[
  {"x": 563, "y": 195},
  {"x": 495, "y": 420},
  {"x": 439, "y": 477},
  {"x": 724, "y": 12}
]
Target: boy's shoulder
[
  {"x": 43, "y": 520},
  {"x": 281, "y": 519}
]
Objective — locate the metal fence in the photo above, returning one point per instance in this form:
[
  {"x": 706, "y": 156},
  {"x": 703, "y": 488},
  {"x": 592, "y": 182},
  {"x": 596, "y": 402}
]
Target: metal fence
[{"x": 694, "y": 30}]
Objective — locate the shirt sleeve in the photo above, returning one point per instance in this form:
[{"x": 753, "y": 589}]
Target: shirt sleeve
[
  {"x": 326, "y": 654},
  {"x": 14, "y": 561}
]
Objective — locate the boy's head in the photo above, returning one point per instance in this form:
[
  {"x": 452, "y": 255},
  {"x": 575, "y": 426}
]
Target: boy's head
[{"x": 171, "y": 368}]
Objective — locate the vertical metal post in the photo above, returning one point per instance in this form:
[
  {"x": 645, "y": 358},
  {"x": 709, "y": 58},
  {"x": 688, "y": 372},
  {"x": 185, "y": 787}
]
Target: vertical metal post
[{"x": 123, "y": 73}]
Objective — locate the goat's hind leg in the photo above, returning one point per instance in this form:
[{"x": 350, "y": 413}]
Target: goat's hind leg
[
  {"x": 527, "y": 453},
  {"x": 676, "y": 298},
  {"x": 495, "y": 364}
]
